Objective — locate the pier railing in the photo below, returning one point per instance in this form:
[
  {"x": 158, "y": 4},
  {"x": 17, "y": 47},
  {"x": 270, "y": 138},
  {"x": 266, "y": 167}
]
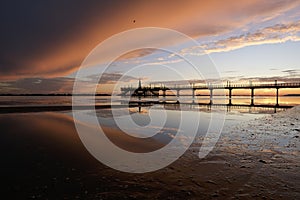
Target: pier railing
[{"x": 216, "y": 86}]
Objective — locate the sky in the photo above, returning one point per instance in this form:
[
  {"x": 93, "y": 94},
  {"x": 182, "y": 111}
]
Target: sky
[{"x": 44, "y": 43}]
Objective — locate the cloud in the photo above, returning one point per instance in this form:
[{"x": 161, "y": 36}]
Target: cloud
[
  {"x": 273, "y": 69},
  {"x": 161, "y": 61},
  {"x": 113, "y": 78},
  {"x": 58, "y": 84},
  {"x": 292, "y": 72},
  {"x": 38, "y": 85},
  {"x": 278, "y": 33},
  {"x": 51, "y": 38},
  {"x": 137, "y": 53},
  {"x": 271, "y": 79},
  {"x": 178, "y": 82},
  {"x": 230, "y": 71},
  {"x": 231, "y": 15}
]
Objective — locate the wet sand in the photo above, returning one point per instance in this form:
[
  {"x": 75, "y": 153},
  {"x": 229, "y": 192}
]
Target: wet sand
[
  {"x": 43, "y": 158},
  {"x": 54, "y": 108}
]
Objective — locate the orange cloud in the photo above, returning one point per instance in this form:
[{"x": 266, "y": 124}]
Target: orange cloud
[
  {"x": 274, "y": 34},
  {"x": 62, "y": 53}
]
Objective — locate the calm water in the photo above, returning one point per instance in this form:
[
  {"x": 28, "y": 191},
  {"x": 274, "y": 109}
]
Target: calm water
[
  {"x": 101, "y": 100},
  {"x": 168, "y": 117}
]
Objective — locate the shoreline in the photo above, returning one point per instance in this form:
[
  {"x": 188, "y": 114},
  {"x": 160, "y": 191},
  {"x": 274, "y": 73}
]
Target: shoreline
[
  {"x": 276, "y": 131},
  {"x": 48, "y": 108}
]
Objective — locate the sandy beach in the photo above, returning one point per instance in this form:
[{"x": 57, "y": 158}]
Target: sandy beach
[{"x": 43, "y": 158}]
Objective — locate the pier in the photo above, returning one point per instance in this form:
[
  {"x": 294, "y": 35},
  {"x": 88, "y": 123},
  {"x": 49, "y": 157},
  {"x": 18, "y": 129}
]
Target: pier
[{"x": 154, "y": 90}]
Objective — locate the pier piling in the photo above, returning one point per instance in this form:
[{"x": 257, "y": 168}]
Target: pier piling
[{"x": 252, "y": 96}]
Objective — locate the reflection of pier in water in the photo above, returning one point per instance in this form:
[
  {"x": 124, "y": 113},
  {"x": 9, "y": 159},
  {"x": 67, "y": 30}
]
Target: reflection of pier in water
[
  {"x": 153, "y": 90},
  {"x": 267, "y": 108}
]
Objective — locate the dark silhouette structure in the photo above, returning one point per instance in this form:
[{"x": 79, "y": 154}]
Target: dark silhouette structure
[{"x": 162, "y": 89}]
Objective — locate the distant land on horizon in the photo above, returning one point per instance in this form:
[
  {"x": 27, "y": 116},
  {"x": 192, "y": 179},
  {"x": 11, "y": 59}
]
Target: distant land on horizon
[
  {"x": 100, "y": 94},
  {"x": 51, "y": 94},
  {"x": 296, "y": 95}
]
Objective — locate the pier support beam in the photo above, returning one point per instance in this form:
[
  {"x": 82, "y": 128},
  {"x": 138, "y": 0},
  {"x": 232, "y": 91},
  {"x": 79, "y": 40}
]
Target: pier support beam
[
  {"x": 252, "y": 96},
  {"x": 277, "y": 96},
  {"x": 193, "y": 93},
  {"x": 164, "y": 93},
  {"x": 211, "y": 96},
  {"x": 178, "y": 93},
  {"x": 230, "y": 96}
]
